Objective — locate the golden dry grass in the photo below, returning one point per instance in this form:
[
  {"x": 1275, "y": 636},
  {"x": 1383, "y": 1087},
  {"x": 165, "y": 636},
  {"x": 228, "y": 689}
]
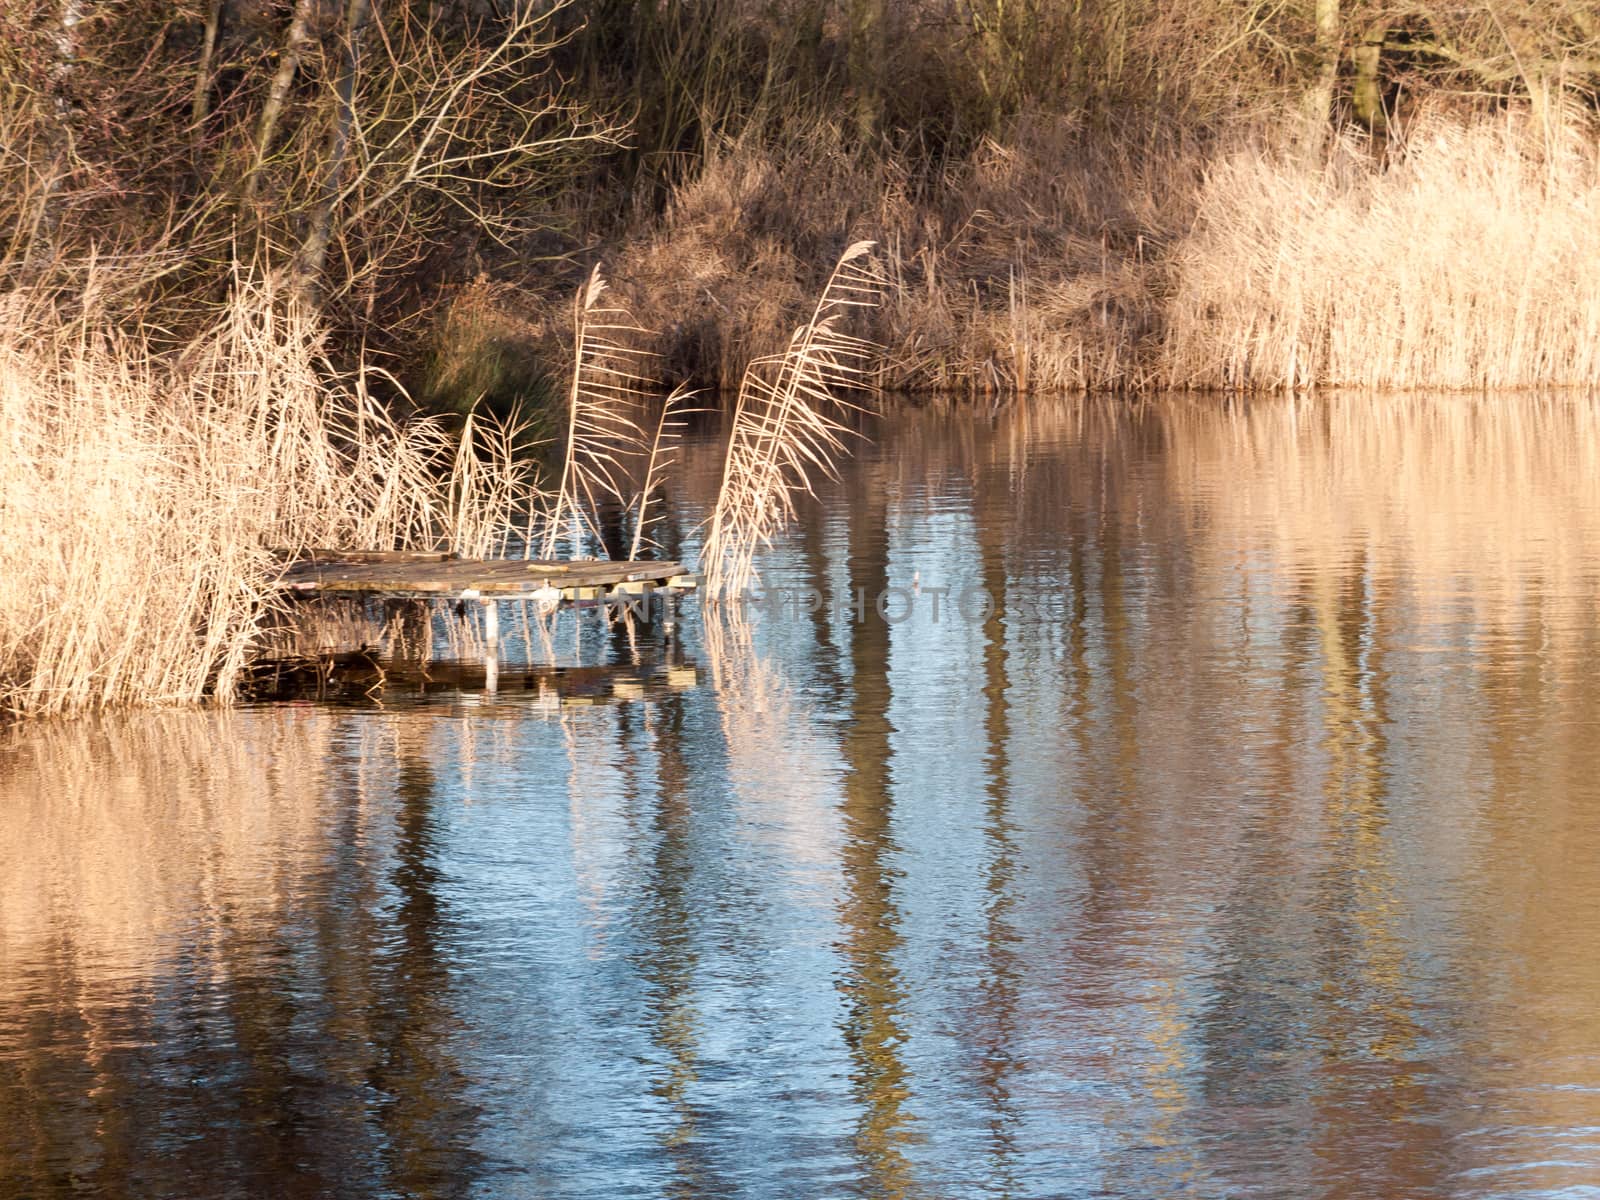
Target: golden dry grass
[
  {"x": 1464, "y": 261},
  {"x": 604, "y": 438},
  {"x": 1052, "y": 257},
  {"x": 142, "y": 497}
]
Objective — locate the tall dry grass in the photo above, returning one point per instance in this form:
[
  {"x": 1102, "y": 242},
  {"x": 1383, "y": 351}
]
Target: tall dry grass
[
  {"x": 1053, "y": 256},
  {"x": 788, "y": 424},
  {"x": 603, "y": 434},
  {"x": 1463, "y": 260},
  {"x": 143, "y": 497}
]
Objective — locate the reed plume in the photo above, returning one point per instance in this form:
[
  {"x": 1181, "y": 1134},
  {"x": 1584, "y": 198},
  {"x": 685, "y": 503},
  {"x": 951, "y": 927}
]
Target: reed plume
[
  {"x": 604, "y": 439},
  {"x": 788, "y": 423},
  {"x": 663, "y": 446}
]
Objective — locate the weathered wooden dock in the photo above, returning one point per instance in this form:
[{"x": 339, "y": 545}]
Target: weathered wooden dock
[
  {"x": 406, "y": 575},
  {"x": 421, "y": 576}
]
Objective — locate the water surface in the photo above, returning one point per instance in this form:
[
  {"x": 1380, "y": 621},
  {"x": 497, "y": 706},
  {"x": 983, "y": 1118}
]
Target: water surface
[{"x": 1246, "y": 844}]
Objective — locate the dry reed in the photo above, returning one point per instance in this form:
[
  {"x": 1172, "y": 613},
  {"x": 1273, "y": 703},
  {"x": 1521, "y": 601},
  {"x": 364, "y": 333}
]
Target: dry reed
[
  {"x": 787, "y": 424},
  {"x": 662, "y": 458},
  {"x": 143, "y": 497},
  {"x": 603, "y": 436},
  {"x": 1464, "y": 261}
]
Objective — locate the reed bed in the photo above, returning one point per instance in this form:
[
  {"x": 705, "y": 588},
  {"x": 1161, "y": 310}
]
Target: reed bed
[
  {"x": 145, "y": 499},
  {"x": 604, "y": 438},
  {"x": 1464, "y": 259}
]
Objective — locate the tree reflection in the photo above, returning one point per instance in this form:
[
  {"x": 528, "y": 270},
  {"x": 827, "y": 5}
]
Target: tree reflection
[
  {"x": 1000, "y": 983},
  {"x": 669, "y": 959},
  {"x": 427, "y": 1128},
  {"x": 872, "y": 987}
]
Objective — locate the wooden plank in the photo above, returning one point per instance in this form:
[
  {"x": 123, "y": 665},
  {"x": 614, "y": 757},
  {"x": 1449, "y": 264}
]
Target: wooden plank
[
  {"x": 425, "y": 576},
  {"x": 363, "y": 556},
  {"x": 464, "y": 572}
]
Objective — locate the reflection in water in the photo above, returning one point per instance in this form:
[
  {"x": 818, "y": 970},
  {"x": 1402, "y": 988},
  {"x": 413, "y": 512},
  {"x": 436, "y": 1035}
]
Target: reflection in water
[
  {"x": 1371, "y": 1038},
  {"x": 1247, "y": 845},
  {"x": 207, "y": 883},
  {"x": 995, "y": 1015},
  {"x": 668, "y": 960},
  {"x": 427, "y": 1142},
  {"x": 870, "y": 934}
]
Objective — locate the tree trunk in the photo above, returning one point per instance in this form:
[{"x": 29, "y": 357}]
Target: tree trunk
[
  {"x": 1366, "y": 94},
  {"x": 866, "y": 65},
  {"x": 201, "y": 104},
  {"x": 294, "y": 46},
  {"x": 1318, "y": 112},
  {"x": 314, "y": 253}
]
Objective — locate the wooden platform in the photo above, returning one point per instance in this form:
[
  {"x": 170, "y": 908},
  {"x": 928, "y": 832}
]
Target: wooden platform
[
  {"x": 400, "y": 575},
  {"x": 403, "y": 575}
]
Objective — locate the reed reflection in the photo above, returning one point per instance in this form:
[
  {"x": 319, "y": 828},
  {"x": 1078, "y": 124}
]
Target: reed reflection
[
  {"x": 1333, "y": 553},
  {"x": 168, "y": 900},
  {"x": 123, "y": 858},
  {"x": 1460, "y": 530}
]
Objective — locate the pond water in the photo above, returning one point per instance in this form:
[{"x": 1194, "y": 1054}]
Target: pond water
[{"x": 1234, "y": 830}]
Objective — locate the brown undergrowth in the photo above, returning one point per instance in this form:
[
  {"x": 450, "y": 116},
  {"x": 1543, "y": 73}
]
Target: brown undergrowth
[
  {"x": 1032, "y": 263},
  {"x": 1056, "y": 258}
]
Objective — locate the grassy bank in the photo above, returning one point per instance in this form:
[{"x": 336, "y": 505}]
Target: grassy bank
[
  {"x": 1462, "y": 258},
  {"x": 1029, "y": 263},
  {"x": 1096, "y": 196},
  {"x": 1117, "y": 198},
  {"x": 1454, "y": 254}
]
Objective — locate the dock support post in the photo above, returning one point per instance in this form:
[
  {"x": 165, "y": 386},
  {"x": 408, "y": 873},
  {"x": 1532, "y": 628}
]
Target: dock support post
[
  {"x": 491, "y": 646},
  {"x": 669, "y": 613},
  {"x": 491, "y": 624}
]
